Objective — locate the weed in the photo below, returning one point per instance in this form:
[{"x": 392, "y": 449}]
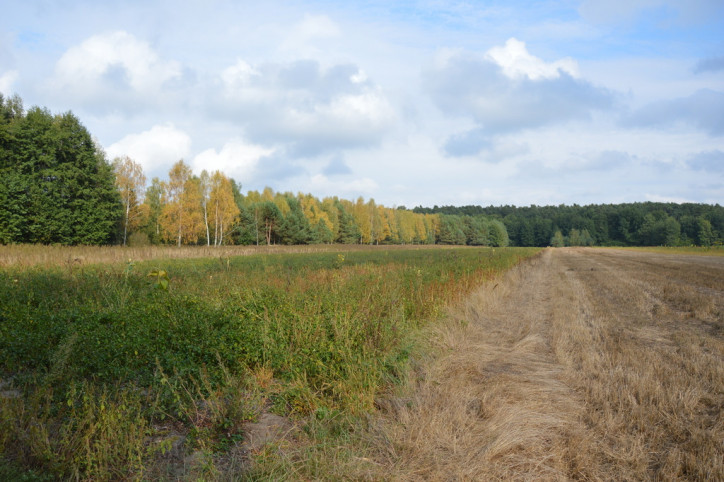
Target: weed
[{"x": 314, "y": 334}]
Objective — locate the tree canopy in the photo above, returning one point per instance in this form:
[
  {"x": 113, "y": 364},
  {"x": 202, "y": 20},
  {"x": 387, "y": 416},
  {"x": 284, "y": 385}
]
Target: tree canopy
[
  {"x": 633, "y": 224},
  {"x": 56, "y": 185}
]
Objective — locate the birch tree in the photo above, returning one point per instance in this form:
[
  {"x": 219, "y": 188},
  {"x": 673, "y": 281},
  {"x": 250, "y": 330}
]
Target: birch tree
[
  {"x": 224, "y": 212},
  {"x": 130, "y": 182}
]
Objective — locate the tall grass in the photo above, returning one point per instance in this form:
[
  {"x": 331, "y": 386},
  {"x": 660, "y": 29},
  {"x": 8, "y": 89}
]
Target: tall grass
[
  {"x": 75, "y": 257},
  {"x": 95, "y": 350}
]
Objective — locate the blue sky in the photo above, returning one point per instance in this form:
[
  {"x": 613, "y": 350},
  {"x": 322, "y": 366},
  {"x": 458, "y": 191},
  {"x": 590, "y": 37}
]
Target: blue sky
[{"x": 410, "y": 103}]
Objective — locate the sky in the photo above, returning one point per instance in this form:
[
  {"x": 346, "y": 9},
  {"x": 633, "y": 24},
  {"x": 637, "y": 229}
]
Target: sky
[{"x": 413, "y": 102}]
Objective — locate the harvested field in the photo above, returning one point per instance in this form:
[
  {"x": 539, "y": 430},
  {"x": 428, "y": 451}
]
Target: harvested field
[{"x": 579, "y": 364}]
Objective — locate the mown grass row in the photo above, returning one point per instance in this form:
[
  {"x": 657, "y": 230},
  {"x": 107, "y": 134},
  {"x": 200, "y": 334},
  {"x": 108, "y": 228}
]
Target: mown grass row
[{"x": 94, "y": 360}]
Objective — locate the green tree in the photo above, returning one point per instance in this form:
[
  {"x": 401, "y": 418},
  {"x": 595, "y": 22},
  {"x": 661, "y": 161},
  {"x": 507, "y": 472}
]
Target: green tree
[
  {"x": 294, "y": 228},
  {"x": 705, "y": 234},
  {"x": 57, "y": 183},
  {"x": 269, "y": 216},
  {"x": 498, "y": 235},
  {"x": 451, "y": 230},
  {"x": 348, "y": 231},
  {"x": 154, "y": 207},
  {"x": 557, "y": 241}
]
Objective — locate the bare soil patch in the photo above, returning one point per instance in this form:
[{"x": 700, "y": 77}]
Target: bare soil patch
[{"x": 579, "y": 364}]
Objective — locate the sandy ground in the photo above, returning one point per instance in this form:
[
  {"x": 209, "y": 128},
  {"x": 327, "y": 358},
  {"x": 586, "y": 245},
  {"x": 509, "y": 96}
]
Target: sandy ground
[{"x": 580, "y": 364}]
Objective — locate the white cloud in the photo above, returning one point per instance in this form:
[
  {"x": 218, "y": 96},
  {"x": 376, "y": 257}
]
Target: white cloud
[
  {"x": 356, "y": 187},
  {"x": 507, "y": 91},
  {"x": 156, "y": 149},
  {"x": 237, "y": 159},
  {"x": 112, "y": 67},
  {"x": 304, "y": 107},
  {"x": 310, "y": 37},
  {"x": 7, "y": 80},
  {"x": 238, "y": 76},
  {"x": 657, "y": 198},
  {"x": 316, "y": 26},
  {"x": 517, "y": 62}
]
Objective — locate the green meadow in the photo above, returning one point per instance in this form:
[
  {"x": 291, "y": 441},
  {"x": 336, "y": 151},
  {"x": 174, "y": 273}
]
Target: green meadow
[{"x": 101, "y": 364}]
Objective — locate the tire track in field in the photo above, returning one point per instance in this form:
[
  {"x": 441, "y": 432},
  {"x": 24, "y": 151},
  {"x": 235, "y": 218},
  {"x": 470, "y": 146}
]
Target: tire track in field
[{"x": 494, "y": 405}]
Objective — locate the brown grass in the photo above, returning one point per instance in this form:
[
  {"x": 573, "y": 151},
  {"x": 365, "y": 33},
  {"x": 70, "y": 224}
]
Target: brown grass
[{"x": 581, "y": 364}]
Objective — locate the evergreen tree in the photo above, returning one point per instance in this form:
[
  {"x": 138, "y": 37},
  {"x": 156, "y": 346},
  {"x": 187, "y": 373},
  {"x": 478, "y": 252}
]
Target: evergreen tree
[
  {"x": 56, "y": 186},
  {"x": 348, "y": 230},
  {"x": 294, "y": 228}
]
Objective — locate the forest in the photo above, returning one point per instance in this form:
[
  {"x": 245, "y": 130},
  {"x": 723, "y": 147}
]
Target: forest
[
  {"x": 632, "y": 224},
  {"x": 58, "y": 187}
]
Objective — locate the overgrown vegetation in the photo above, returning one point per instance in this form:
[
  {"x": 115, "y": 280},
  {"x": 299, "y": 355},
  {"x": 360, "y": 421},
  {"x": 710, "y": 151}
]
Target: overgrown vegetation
[{"x": 102, "y": 366}]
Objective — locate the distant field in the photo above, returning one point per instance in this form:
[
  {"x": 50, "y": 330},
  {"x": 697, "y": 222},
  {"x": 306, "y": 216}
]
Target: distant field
[
  {"x": 698, "y": 250},
  {"x": 163, "y": 368},
  {"x": 26, "y": 255}
]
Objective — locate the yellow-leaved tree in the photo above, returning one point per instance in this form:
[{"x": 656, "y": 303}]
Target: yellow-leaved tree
[
  {"x": 363, "y": 220},
  {"x": 182, "y": 216},
  {"x": 131, "y": 183},
  {"x": 223, "y": 211}
]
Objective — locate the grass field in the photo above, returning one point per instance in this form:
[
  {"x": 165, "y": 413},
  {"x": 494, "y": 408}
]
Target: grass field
[
  {"x": 72, "y": 257},
  {"x": 167, "y": 367}
]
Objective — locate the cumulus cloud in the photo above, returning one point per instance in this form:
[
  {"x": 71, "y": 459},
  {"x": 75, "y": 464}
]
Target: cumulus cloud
[
  {"x": 703, "y": 110},
  {"x": 304, "y": 107},
  {"x": 509, "y": 90},
  {"x": 113, "y": 66},
  {"x": 7, "y": 80},
  {"x": 156, "y": 149},
  {"x": 517, "y": 62},
  {"x": 709, "y": 161},
  {"x": 237, "y": 158}
]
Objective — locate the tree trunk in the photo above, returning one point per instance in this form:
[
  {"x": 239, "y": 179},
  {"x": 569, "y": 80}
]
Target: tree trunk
[
  {"x": 125, "y": 225},
  {"x": 206, "y": 223},
  {"x": 216, "y": 225}
]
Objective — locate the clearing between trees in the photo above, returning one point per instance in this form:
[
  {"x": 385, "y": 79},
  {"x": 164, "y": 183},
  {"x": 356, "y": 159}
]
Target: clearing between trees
[{"x": 581, "y": 363}]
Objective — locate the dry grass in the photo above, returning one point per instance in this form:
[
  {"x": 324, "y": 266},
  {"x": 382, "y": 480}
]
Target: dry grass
[
  {"x": 580, "y": 364},
  {"x": 27, "y": 255}
]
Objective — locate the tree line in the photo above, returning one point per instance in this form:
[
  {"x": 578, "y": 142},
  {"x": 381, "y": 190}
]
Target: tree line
[
  {"x": 631, "y": 224},
  {"x": 57, "y": 186},
  {"x": 210, "y": 209}
]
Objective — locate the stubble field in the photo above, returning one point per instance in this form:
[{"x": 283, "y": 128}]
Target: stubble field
[{"x": 581, "y": 364}]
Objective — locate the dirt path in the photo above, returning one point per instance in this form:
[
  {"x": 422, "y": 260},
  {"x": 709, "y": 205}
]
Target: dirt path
[{"x": 582, "y": 363}]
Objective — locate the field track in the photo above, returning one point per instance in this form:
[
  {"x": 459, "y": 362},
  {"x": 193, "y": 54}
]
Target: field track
[{"x": 580, "y": 364}]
